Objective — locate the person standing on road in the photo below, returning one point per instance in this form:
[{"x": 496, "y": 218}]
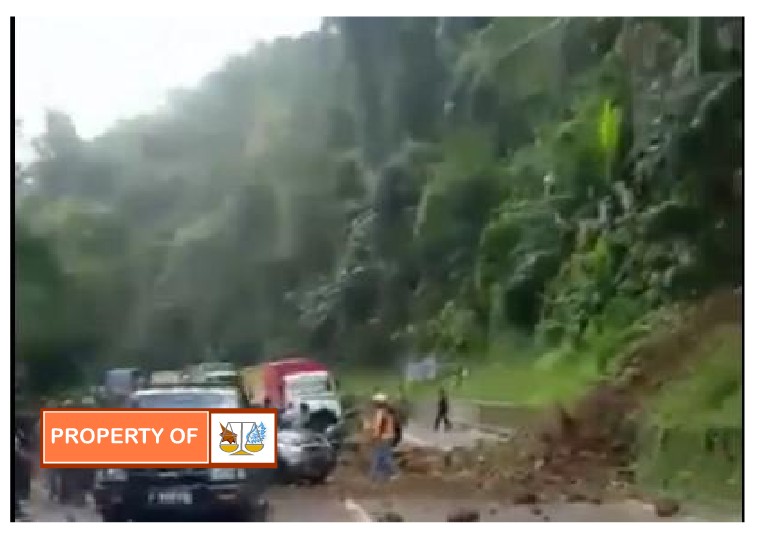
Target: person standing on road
[
  {"x": 303, "y": 416},
  {"x": 383, "y": 435},
  {"x": 84, "y": 478},
  {"x": 68, "y": 478},
  {"x": 443, "y": 410},
  {"x": 51, "y": 476},
  {"x": 23, "y": 442},
  {"x": 18, "y": 470}
]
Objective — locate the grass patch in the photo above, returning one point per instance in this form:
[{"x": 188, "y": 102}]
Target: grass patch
[
  {"x": 528, "y": 383},
  {"x": 711, "y": 393},
  {"x": 536, "y": 377},
  {"x": 693, "y": 449},
  {"x": 364, "y": 383},
  {"x": 514, "y": 370},
  {"x": 679, "y": 463}
]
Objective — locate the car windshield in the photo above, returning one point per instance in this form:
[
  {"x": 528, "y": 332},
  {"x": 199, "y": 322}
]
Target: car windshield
[
  {"x": 310, "y": 384},
  {"x": 190, "y": 399},
  {"x": 120, "y": 380},
  {"x": 222, "y": 376}
]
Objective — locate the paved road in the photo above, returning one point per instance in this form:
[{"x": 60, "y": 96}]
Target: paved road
[
  {"x": 437, "y": 510},
  {"x": 41, "y": 509},
  {"x": 313, "y": 505},
  {"x": 417, "y": 433},
  {"x": 324, "y": 504},
  {"x": 289, "y": 504}
]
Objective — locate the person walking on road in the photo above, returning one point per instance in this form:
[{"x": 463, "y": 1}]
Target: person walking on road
[
  {"x": 383, "y": 435},
  {"x": 443, "y": 410}
]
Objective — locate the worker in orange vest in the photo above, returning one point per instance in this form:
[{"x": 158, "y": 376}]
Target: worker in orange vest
[{"x": 383, "y": 435}]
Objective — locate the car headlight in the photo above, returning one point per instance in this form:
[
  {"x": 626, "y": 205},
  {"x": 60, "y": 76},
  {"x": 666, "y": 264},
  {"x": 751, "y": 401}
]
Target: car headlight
[
  {"x": 111, "y": 474},
  {"x": 289, "y": 448},
  {"x": 227, "y": 474}
]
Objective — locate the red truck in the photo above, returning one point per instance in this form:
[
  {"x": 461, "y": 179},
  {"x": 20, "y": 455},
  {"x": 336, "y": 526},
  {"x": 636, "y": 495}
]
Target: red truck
[{"x": 286, "y": 383}]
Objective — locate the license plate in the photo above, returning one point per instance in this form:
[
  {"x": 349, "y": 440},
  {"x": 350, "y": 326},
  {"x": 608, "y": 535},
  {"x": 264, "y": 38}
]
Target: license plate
[{"x": 171, "y": 497}]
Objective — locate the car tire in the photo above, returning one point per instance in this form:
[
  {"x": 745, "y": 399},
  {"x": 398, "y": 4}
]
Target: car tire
[
  {"x": 320, "y": 478},
  {"x": 260, "y": 512},
  {"x": 113, "y": 514},
  {"x": 284, "y": 474},
  {"x": 255, "y": 513}
]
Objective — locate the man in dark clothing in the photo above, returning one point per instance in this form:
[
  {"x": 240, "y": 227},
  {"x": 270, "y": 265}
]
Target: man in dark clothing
[
  {"x": 24, "y": 458},
  {"x": 303, "y": 416},
  {"x": 443, "y": 407},
  {"x": 20, "y": 475}
]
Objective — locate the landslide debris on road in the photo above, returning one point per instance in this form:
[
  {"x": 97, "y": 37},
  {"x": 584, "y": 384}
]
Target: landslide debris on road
[
  {"x": 464, "y": 515},
  {"x": 582, "y": 453}
]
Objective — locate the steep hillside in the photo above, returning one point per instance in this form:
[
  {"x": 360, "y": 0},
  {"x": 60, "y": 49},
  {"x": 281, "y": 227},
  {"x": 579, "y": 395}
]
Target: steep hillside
[{"x": 669, "y": 419}]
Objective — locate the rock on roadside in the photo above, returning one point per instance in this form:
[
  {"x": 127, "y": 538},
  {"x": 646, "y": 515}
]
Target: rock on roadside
[
  {"x": 464, "y": 515},
  {"x": 666, "y": 507}
]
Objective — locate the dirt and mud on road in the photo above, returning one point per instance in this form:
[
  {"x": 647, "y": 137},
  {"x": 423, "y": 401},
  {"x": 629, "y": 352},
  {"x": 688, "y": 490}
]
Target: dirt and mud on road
[
  {"x": 576, "y": 462},
  {"x": 479, "y": 484},
  {"x": 574, "y": 465},
  {"x": 331, "y": 503}
]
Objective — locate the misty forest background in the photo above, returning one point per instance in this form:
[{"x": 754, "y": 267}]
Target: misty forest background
[{"x": 389, "y": 187}]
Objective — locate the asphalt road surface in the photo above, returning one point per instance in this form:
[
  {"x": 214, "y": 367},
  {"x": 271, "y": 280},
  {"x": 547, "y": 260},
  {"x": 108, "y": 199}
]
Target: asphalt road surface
[
  {"x": 419, "y": 434},
  {"x": 325, "y": 504},
  {"x": 288, "y": 504}
]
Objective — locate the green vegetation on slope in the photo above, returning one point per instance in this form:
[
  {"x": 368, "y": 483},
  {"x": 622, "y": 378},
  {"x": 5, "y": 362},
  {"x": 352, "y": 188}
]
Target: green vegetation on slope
[
  {"x": 692, "y": 446},
  {"x": 388, "y": 187}
]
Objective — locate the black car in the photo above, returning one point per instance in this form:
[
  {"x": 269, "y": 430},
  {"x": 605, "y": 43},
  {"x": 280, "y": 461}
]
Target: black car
[
  {"x": 323, "y": 421},
  {"x": 198, "y": 493}
]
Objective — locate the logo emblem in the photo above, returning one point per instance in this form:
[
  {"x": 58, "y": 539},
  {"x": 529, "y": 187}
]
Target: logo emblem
[{"x": 242, "y": 438}]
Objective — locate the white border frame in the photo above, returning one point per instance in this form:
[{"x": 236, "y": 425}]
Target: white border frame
[{"x": 754, "y": 264}]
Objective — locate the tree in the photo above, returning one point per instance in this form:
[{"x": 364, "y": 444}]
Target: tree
[{"x": 389, "y": 184}]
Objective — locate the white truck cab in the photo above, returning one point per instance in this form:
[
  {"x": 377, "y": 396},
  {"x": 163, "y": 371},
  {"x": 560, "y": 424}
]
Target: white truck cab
[{"x": 317, "y": 389}]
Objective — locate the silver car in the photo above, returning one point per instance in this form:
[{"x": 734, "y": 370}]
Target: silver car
[{"x": 303, "y": 454}]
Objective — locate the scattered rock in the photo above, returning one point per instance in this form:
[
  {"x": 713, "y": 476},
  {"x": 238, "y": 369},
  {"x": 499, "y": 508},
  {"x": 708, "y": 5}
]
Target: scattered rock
[
  {"x": 575, "y": 497},
  {"x": 619, "y": 447},
  {"x": 633, "y": 375},
  {"x": 626, "y": 475},
  {"x": 537, "y": 511},
  {"x": 666, "y": 507},
  {"x": 464, "y": 515},
  {"x": 352, "y": 446},
  {"x": 389, "y": 516},
  {"x": 586, "y": 454},
  {"x": 525, "y": 498},
  {"x": 415, "y": 464},
  {"x": 493, "y": 510},
  {"x": 546, "y": 518}
]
